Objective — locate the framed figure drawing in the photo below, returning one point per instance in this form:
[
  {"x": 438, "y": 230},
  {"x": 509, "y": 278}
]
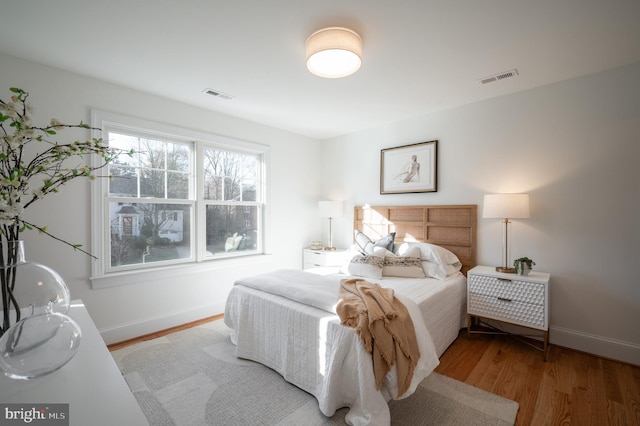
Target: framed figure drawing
[{"x": 409, "y": 168}]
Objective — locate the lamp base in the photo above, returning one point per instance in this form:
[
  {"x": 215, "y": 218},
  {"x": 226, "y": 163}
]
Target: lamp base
[
  {"x": 334, "y": 249},
  {"x": 504, "y": 269}
]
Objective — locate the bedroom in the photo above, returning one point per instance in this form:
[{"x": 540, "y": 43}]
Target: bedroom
[{"x": 572, "y": 145}]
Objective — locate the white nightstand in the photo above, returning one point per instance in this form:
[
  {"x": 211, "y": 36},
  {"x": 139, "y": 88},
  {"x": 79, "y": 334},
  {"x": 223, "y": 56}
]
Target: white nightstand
[
  {"x": 319, "y": 258},
  {"x": 509, "y": 298}
]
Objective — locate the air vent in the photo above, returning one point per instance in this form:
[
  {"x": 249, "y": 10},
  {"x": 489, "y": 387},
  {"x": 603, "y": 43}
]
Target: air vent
[
  {"x": 498, "y": 77},
  {"x": 218, "y": 94}
]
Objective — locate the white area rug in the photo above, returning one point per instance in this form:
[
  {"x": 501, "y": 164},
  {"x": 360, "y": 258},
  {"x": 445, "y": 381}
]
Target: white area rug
[{"x": 192, "y": 378}]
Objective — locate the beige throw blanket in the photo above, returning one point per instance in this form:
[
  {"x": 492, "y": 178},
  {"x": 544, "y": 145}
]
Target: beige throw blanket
[{"x": 384, "y": 326}]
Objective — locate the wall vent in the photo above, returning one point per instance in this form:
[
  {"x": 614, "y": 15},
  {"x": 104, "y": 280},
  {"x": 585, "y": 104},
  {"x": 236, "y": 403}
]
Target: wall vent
[
  {"x": 498, "y": 77},
  {"x": 218, "y": 94}
]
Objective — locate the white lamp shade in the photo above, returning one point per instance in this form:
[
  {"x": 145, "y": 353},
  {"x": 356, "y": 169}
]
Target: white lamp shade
[
  {"x": 330, "y": 208},
  {"x": 503, "y": 206},
  {"x": 334, "y": 52}
]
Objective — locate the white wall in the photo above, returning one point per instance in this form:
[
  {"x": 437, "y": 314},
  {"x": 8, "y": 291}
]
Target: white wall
[
  {"x": 575, "y": 148},
  {"x": 128, "y": 311}
]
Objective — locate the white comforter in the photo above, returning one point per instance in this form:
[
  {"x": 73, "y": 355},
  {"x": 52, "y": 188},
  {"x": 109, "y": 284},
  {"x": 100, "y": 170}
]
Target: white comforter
[{"x": 286, "y": 320}]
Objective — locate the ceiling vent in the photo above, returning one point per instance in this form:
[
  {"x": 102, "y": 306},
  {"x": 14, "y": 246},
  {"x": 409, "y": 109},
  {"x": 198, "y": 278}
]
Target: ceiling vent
[
  {"x": 218, "y": 94},
  {"x": 498, "y": 77}
]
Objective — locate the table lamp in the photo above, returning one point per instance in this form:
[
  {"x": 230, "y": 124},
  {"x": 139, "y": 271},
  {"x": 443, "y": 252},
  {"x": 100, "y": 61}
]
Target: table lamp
[
  {"x": 330, "y": 209},
  {"x": 506, "y": 206}
]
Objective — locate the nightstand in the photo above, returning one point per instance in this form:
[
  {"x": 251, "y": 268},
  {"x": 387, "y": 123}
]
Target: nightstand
[
  {"x": 318, "y": 258},
  {"x": 509, "y": 298}
]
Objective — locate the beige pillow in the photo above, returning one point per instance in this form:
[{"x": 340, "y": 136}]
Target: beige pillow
[
  {"x": 368, "y": 266},
  {"x": 407, "y": 266}
]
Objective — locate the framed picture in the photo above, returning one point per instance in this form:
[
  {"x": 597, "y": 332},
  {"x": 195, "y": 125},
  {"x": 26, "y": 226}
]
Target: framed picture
[{"x": 409, "y": 168}]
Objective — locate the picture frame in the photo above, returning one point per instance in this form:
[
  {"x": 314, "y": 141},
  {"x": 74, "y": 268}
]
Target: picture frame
[{"x": 409, "y": 168}]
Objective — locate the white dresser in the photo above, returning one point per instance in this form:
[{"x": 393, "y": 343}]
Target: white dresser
[
  {"x": 509, "y": 298},
  {"x": 90, "y": 383}
]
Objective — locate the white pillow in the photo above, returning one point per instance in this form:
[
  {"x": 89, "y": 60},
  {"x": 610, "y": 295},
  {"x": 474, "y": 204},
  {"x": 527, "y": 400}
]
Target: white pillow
[
  {"x": 406, "y": 266},
  {"x": 368, "y": 266},
  {"x": 436, "y": 271},
  {"x": 430, "y": 252}
]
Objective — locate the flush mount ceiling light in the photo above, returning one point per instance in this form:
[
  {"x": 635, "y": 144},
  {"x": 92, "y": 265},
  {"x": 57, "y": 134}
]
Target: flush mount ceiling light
[{"x": 334, "y": 52}]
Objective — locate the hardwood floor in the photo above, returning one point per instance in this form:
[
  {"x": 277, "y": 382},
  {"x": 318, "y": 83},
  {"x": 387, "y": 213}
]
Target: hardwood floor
[{"x": 572, "y": 388}]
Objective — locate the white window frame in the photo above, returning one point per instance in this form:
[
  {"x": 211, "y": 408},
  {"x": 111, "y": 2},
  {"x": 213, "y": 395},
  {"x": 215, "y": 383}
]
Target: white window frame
[{"x": 102, "y": 273}]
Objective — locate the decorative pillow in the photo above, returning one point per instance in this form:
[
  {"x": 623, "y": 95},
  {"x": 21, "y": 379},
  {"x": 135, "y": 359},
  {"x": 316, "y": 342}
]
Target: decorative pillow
[
  {"x": 442, "y": 262},
  {"x": 407, "y": 266},
  {"x": 366, "y": 246},
  {"x": 368, "y": 266}
]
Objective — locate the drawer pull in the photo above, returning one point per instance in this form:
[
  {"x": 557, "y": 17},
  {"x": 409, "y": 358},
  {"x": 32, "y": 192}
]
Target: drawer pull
[
  {"x": 504, "y": 299},
  {"x": 506, "y": 280}
]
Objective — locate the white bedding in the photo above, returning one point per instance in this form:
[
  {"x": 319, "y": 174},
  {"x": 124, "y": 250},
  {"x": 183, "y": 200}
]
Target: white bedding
[{"x": 309, "y": 347}]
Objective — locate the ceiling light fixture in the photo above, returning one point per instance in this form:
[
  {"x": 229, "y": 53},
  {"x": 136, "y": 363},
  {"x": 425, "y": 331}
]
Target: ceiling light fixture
[{"x": 334, "y": 52}]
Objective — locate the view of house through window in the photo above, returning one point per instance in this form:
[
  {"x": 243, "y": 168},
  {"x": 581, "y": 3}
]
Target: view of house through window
[
  {"x": 158, "y": 195},
  {"x": 158, "y": 171}
]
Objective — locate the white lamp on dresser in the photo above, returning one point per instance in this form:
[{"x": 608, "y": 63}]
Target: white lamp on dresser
[
  {"x": 331, "y": 210},
  {"x": 505, "y": 207}
]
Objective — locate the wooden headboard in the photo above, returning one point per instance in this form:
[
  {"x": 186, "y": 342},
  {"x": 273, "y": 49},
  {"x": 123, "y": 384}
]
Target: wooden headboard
[{"x": 452, "y": 227}]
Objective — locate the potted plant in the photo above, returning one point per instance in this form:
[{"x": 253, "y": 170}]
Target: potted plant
[{"x": 523, "y": 265}]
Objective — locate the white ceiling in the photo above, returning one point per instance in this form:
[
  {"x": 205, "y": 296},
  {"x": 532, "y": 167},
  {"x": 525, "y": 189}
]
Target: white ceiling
[{"x": 418, "y": 55}]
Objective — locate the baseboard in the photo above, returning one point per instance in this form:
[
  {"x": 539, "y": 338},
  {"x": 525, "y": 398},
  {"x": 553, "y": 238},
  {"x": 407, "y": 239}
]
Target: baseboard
[
  {"x": 127, "y": 331},
  {"x": 605, "y": 347}
]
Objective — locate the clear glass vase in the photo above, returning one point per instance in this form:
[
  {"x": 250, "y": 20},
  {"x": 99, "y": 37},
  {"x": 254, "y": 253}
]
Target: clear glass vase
[
  {"x": 38, "y": 345},
  {"x": 36, "y": 288},
  {"x": 38, "y": 337}
]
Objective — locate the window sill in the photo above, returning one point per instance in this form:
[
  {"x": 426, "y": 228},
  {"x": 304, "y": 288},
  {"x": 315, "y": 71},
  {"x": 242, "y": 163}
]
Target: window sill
[{"x": 153, "y": 274}]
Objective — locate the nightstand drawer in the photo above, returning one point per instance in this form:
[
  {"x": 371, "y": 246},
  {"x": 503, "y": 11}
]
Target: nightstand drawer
[
  {"x": 502, "y": 308},
  {"x": 511, "y": 289},
  {"x": 318, "y": 258}
]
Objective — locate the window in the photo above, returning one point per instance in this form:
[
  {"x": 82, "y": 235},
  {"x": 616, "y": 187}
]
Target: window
[
  {"x": 230, "y": 193},
  {"x": 179, "y": 197}
]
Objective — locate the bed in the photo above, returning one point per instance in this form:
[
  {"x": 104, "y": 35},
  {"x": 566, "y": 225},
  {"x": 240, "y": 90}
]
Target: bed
[{"x": 286, "y": 319}]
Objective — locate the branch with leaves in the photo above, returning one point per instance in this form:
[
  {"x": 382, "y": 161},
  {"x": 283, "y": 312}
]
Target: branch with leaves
[{"x": 28, "y": 174}]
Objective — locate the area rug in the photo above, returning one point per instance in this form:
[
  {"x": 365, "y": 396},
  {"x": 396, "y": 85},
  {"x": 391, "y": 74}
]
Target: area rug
[{"x": 192, "y": 377}]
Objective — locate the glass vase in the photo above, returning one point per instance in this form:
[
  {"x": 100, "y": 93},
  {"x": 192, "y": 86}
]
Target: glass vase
[
  {"x": 38, "y": 345},
  {"x": 37, "y": 336},
  {"x": 35, "y": 289}
]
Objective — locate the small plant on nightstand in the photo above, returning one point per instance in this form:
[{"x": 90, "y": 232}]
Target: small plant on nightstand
[{"x": 523, "y": 265}]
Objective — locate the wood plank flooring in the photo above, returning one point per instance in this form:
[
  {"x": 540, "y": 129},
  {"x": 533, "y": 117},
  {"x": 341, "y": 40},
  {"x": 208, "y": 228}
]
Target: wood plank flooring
[{"x": 572, "y": 388}]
